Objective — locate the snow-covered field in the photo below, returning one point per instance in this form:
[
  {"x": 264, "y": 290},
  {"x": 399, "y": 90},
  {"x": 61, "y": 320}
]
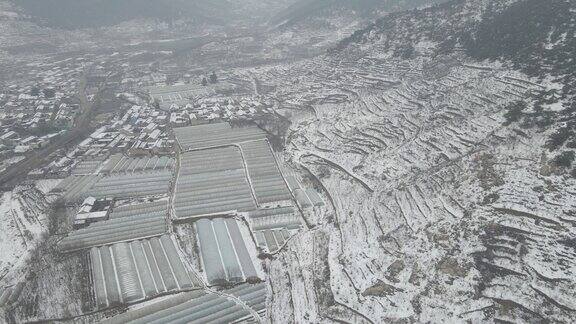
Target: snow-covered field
[
  {"x": 439, "y": 212},
  {"x": 24, "y": 221}
]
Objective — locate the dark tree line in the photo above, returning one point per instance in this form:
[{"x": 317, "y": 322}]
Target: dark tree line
[{"x": 213, "y": 79}]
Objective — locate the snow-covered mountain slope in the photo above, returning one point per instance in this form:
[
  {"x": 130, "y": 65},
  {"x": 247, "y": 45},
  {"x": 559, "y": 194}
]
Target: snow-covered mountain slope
[
  {"x": 535, "y": 36},
  {"x": 449, "y": 179},
  {"x": 320, "y": 24},
  {"x": 302, "y": 10},
  {"x": 24, "y": 223},
  {"x": 439, "y": 210},
  {"x": 37, "y": 284},
  {"x": 441, "y": 25}
]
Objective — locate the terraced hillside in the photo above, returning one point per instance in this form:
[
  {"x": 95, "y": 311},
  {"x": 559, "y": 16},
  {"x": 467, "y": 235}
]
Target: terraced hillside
[
  {"x": 446, "y": 203},
  {"x": 313, "y": 26}
]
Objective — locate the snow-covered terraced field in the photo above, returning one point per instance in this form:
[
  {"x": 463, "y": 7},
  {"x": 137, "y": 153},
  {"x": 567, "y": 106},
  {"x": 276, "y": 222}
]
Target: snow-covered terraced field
[
  {"x": 421, "y": 174},
  {"x": 27, "y": 209}
]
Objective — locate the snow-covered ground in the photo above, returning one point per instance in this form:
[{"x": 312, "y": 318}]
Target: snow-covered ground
[
  {"x": 24, "y": 221},
  {"x": 439, "y": 212}
]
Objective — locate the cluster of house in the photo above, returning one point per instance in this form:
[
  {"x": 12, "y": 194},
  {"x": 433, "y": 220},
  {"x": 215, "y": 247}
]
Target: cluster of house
[
  {"x": 13, "y": 143},
  {"x": 38, "y": 106},
  {"x": 139, "y": 131},
  {"x": 30, "y": 118},
  {"x": 92, "y": 210},
  {"x": 213, "y": 109}
]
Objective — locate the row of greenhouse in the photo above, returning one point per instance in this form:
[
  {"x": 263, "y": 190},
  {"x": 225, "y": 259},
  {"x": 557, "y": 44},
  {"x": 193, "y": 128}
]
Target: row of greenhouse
[
  {"x": 199, "y": 307},
  {"x": 215, "y": 135},
  {"x": 211, "y": 182},
  {"x": 226, "y": 186},
  {"x": 306, "y": 198},
  {"x": 118, "y": 185},
  {"x": 88, "y": 166},
  {"x": 119, "y": 163},
  {"x": 265, "y": 177},
  {"x": 118, "y": 229},
  {"x": 126, "y": 272},
  {"x": 273, "y": 227},
  {"x": 225, "y": 257},
  {"x": 157, "y": 207}
]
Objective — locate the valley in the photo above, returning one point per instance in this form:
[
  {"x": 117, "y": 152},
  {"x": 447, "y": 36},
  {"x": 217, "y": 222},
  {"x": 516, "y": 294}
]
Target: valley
[{"x": 311, "y": 168}]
